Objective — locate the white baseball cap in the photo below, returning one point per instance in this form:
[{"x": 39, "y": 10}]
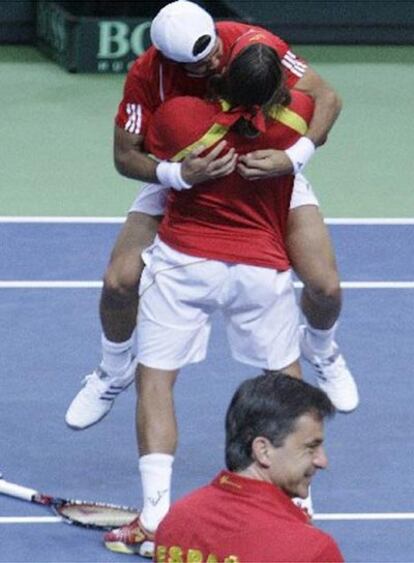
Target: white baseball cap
[{"x": 177, "y": 27}]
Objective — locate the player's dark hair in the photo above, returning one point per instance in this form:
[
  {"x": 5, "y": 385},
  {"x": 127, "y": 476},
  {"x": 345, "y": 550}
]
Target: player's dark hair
[
  {"x": 254, "y": 78},
  {"x": 269, "y": 406}
]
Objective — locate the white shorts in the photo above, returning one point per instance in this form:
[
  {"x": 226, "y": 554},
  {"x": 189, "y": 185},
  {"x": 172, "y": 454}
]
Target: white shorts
[
  {"x": 179, "y": 293},
  {"x": 302, "y": 193},
  {"x": 152, "y": 198}
]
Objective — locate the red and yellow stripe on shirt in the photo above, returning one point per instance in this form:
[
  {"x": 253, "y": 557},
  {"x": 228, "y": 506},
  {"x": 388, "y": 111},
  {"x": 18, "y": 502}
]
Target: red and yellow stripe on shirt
[
  {"x": 167, "y": 133},
  {"x": 229, "y": 219}
]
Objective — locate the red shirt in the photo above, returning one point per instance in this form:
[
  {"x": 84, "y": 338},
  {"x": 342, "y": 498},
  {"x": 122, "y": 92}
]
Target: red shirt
[
  {"x": 154, "y": 79},
  {"x": 229, "y": 219},
  {"x": 236, "y": 519}
]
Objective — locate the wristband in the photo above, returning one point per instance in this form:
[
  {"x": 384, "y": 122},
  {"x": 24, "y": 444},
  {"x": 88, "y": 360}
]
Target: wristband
[
  {"x": 169, "y": 175},
  {"x": 300, "y": 153}
]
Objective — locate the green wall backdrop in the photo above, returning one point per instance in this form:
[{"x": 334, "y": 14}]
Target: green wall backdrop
[{"x": 56, "y": 131}]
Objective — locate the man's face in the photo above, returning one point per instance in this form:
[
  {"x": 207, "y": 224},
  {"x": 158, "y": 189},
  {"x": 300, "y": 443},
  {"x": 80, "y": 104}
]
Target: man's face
[
  {"x": 293, "y": 464},
  {"x": 209, "y": 65}
]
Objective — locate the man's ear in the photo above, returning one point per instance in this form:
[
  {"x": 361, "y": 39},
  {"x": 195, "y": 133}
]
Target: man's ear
[{"x": 261, "y": 450}]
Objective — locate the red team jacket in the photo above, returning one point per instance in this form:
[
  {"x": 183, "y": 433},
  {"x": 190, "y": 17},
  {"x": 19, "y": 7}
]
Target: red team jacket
[
  {"x": 236, "y": 519},
  {"x": 229, "y": 219}
]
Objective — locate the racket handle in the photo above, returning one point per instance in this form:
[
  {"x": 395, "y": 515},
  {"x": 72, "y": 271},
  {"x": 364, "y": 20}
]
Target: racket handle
[{"x": 18, "y": 491}]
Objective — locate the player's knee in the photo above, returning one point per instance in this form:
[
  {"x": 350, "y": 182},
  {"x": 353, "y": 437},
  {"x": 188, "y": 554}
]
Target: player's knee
[
  {"x": 153, "y": 382},
  {"x": 326, "y": 289},
  {"x": 120, "y": 285}
]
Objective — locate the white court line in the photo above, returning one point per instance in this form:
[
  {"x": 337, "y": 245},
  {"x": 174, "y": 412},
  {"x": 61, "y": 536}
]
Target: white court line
[
  {"x": 5, "y": 219},
  {"x": 328, "y": 221},
  {"x": 369, "y": 221},
  {"x": 346, "y": 516},
  {"x": 46, "y": 284},
  {"x": 23, "y": 284},
  {"x": 30, "y": 519},
  {"x": 374, "y": 285},
  {"x": 366, "y": 516}
]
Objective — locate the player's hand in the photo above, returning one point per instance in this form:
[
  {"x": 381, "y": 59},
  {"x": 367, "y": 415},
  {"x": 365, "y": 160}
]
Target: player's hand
[
  {"x": 264, "y": 164},
  {"x": 196, "y": 169}
]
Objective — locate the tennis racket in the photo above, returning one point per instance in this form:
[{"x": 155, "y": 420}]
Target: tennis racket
[{"x": 78, "y": 512}]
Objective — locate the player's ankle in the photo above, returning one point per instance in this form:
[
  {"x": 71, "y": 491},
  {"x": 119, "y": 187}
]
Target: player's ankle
[
  {"x": 155, "y": 470},
  {"x": 116, "y": 356},
  {"x": 321, "y": 341}
]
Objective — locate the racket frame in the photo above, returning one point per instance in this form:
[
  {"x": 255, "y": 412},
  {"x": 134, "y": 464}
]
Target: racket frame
[{"x": 57, "y": 504}]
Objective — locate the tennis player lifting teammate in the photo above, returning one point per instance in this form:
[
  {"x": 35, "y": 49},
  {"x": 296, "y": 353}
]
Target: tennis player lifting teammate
[
  {"x": 220, "y": 247},
  {"x": 188, "y": 49}
]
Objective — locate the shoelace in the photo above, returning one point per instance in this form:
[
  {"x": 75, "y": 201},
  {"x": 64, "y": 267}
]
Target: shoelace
[
  {"x": 94, "y": 384},
  {"x": 330, "y": 359},
  {"x": 93, "y": 377}
]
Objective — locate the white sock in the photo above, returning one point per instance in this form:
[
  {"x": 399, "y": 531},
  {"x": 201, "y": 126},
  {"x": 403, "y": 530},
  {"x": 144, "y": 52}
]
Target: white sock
[
  {"x": 321, "y": 341},
  {"x": 116, "y": 356},
  {"x": 156, "y": 471}
]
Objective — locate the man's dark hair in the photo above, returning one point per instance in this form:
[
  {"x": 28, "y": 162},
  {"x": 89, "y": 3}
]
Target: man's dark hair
[
  {"x": 269, "y": 406},
  {"x": 254, "y": 78}
]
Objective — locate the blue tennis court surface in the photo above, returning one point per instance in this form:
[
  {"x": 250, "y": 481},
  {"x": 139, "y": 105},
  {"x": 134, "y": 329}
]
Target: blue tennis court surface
[{"x": 50, "y": 275}]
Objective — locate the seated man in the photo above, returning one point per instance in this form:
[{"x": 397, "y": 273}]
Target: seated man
[
  {"x": 221, "y": 246},
  {"x": 274, "y": 447}
]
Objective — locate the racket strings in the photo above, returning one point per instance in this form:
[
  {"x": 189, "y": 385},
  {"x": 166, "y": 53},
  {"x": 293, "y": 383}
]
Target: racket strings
[{"x": 99, "y": 515}]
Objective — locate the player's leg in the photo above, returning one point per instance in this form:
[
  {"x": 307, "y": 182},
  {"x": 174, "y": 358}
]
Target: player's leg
[
  {"x": 263, "y": 319},
  {"x": 156, "y": 427},
  {"x": 293, "y": 369},
  {"x": 312, "y": 256},
  {"x": 156, "y": 434},
  {"x": 119, "y": 298},
  {"x": 118, "y": 311},
  {"x": 179, "y": 336}
]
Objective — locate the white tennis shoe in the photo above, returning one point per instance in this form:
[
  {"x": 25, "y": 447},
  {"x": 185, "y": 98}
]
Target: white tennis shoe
[
  {"x": 96, "y": 398},
  {"x": 333, "y": 375}
]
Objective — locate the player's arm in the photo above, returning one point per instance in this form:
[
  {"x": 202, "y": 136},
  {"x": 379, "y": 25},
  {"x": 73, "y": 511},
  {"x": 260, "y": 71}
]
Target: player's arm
[
  {"x": 327, "y": 105},
  {"x": 129, "y": 158},
  {"x": 131, "y": 161},
  {"x": 266, "y": 163}
]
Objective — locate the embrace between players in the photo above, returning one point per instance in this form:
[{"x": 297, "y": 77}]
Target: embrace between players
[{"x": 237, "y": 214}]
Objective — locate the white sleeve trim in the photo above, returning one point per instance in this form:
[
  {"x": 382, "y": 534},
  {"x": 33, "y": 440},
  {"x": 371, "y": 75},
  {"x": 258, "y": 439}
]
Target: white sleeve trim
[
  {"x": 295, "y": 66},
  {"x": 133, "y": 125}
]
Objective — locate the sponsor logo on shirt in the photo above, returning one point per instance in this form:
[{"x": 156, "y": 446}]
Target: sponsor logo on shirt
[
  {"x": 178, "y": 555},
  {"x": 226, "y": 480}
]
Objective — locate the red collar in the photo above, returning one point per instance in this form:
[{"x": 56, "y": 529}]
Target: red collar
[{"x": 238, "y": 485}]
